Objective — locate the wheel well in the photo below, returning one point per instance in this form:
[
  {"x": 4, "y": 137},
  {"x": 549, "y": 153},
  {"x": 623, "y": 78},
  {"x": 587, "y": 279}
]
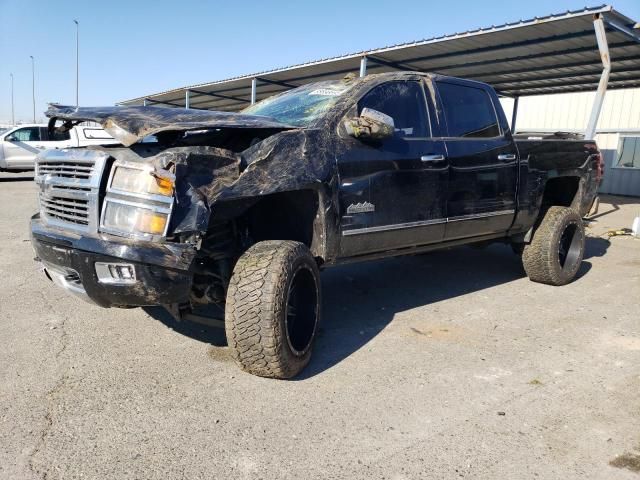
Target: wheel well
[
  {"x": 285, "y": 216},
  {"x": 560, "y": 191}
]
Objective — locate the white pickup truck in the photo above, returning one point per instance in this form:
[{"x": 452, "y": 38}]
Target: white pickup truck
[{"x": 20, "y": 145}]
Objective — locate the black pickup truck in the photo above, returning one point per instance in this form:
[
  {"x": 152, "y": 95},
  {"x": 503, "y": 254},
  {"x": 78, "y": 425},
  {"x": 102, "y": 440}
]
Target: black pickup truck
[{"x": 232, "y": 215}]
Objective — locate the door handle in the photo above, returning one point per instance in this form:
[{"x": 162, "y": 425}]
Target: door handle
[
  {"x": 507, "y": 156},
  {"x": 432, "y": 158}
]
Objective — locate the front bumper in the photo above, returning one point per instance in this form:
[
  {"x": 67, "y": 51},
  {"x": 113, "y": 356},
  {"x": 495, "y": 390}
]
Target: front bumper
[{"x": 162, "y": 271}]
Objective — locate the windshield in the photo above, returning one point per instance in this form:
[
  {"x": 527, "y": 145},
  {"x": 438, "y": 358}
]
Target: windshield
[{"x": 301, "y": 106}]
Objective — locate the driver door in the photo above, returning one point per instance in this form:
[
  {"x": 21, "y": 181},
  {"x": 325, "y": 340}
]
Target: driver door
[
  {"x": 393, "y": 192},
  {"x": 22, "y": 146}
]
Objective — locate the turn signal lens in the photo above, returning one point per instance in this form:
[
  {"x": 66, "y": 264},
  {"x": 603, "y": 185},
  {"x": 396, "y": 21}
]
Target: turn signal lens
[
  {"x": 142, "y": 181},
  {"x": 165, "y": 186}
]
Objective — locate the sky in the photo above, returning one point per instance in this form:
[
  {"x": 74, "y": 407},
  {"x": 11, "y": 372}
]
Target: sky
[{"x": 137, "y": 47}]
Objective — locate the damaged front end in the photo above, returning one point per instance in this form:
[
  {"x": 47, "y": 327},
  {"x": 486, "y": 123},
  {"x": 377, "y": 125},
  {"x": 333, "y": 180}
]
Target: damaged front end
[{"x": 131, "y": 225}]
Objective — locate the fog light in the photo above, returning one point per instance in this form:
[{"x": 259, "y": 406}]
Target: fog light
[{"x": 115, "y": 273}]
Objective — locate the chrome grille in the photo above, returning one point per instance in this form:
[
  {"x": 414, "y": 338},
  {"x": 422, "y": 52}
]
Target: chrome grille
[
  {"x": 69, "y": 182},
  {"x": 66, "y": 209},
  {"x": 65, "y": 169}
]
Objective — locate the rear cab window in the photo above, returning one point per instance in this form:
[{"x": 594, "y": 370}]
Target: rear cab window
[
  {"x": 468, "y": 111},
  {"x": 58, "y": 136},
  {"x": 405, "y": 102},
  {"x": 96, "y": 134}
]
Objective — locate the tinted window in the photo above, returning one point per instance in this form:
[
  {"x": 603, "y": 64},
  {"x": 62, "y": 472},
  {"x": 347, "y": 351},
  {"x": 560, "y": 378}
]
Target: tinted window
[
  {"x": 27, "y": 134},
  {"x": 402, "y": 101},
  {"x": 469, "y": 111}
]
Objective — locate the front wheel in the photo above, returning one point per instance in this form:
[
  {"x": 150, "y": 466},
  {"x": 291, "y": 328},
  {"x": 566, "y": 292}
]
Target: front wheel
[
  {"x": 273, "y": 308},
  {"x": 556, "y": 250}
]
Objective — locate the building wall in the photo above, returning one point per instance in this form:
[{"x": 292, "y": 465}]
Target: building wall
[{"x": 620, "y": 117}]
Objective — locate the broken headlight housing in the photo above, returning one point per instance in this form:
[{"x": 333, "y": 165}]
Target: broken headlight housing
[{"x": 138, "y": 202}]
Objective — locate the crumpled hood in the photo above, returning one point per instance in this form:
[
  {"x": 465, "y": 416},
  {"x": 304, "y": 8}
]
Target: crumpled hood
[{"x": 129, "y": 125}]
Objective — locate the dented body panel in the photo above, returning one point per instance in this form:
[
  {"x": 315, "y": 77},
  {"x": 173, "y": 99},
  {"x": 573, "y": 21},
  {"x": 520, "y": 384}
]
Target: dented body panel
[{"x": 350, "y": 190}]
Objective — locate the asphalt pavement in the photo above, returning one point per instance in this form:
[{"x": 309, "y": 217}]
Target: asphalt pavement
[{"x": 445, "y": 365}]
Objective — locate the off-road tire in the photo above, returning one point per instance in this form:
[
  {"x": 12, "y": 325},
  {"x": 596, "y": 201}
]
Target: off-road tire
[
  {"x": 258, "y": 310},
  {"x": 561, "y": 230}
]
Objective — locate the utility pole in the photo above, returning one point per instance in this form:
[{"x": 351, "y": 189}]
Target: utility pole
[
  {"x": 77, "y": 60},
  {"x": 13, "y": 116},
  {"x": 33, "y": 86}
]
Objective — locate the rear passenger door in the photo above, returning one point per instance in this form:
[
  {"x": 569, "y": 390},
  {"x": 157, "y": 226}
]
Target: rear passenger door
[
  {"x": 483, "y": 161},
  {"x": 393, "y": 192}
]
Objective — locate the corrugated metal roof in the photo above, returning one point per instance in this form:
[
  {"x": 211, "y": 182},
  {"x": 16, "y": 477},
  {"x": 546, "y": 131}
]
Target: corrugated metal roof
[{"x": 553, "y": 54}]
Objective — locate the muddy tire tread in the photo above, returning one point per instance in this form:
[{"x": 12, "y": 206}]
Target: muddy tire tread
[
  {"x": 253, "y": 308},
  {"x": 539, "y": 257}
]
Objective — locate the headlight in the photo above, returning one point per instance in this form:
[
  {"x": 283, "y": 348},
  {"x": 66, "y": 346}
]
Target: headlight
[
  {"x": 134, "y": 219},
  {"x": 139, "y": 201},
  {"x": 142, "y": 181}
]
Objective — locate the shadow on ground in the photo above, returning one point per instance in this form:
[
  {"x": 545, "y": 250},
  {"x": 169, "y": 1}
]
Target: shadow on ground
[
  {"x": 211, "y": 335},
  {"x": 611, "y": 204},
  {"x": 360, "y": 300},
  {"x": 595, "y": 247},
  {"x": 17, "y": 179}
]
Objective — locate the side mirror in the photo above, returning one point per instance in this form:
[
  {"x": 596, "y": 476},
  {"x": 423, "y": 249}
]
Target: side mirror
[
  {"x": 371, "y": 125},
  {"x": 9, "y": 138}
]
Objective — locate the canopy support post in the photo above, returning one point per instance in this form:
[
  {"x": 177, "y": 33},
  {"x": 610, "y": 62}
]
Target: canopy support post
[
  {"x": 144, "y": 102},
  {"x": 514, "y": 115},
  {"x": 363, "y": 66},
  {"x": 603, "y": 47},
  {"x": 254, "y": 86},
  {"x": 187, "y": 99}
]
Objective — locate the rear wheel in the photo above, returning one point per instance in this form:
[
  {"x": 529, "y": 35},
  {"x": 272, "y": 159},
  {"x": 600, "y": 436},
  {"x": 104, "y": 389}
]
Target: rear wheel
[
  {"x": 556, "y": 250},
  {"x": 273, "y": 308}
]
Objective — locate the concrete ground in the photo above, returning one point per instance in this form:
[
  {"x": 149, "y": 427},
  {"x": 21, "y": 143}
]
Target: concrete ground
[{"x": 444, "y": 365}]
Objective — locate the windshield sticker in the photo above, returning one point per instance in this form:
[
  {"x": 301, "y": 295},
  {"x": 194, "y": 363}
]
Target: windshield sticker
[{"x": 326, "y": 92}]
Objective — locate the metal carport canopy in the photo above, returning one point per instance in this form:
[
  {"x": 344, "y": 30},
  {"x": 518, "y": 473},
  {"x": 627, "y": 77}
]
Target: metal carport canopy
[{"x": 553, "y": 54}]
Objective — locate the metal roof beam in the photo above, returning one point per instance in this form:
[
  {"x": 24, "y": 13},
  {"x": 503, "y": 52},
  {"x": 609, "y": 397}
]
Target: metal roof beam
[
  {"x": 537, "y": 56},
  {"x": 215, "y": 94},
  {"x": 504, "y": 46},
  {"x": 387, "y": 63},
  {"x": 276, "y": 82},
  {"x": 578, "y": 75},
  {"x": 555, "y": 66},
  {"x": 586, "y": 87},
  {"x": 215, "y": 103},
  {"x": 163, "y": 103},
  {"x": 306, "y": 77},
  {"x": 629, "y": 32}
]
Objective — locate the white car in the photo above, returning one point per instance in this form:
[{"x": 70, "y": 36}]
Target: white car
[{"x": 20, "y": 145}]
